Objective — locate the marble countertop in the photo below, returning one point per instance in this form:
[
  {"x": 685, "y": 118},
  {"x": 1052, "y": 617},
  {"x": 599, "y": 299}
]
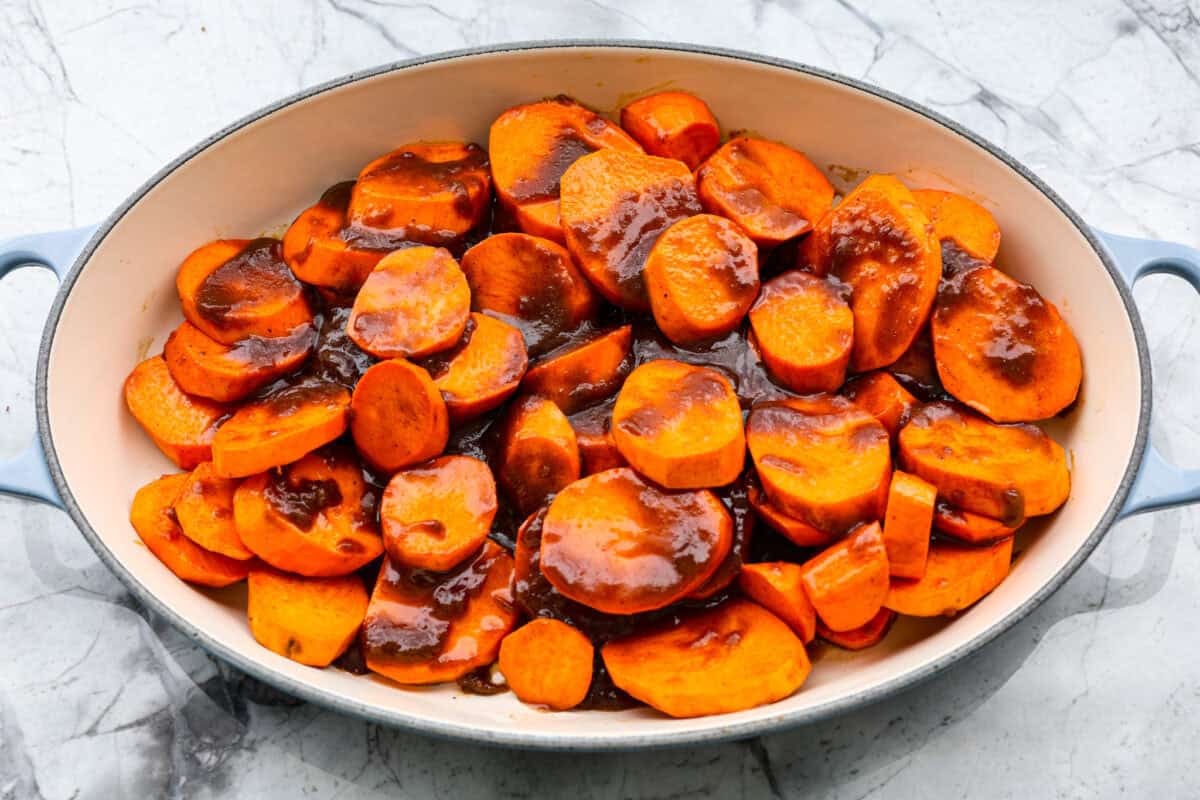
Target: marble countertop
[{"x": 1095, "y": 694}]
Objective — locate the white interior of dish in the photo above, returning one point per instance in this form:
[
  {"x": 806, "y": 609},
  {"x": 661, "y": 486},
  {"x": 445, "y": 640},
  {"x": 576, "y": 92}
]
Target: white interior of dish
[{"x": 124, "y": 304}]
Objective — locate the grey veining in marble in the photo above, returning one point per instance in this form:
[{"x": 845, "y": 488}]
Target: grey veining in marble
[{"x": 1094, "y": 695}]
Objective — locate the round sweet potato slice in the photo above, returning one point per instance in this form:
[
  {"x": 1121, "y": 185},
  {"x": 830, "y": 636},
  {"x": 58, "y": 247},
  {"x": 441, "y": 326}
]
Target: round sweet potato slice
[
  {"x": 436, "y": 514},
  {"x": 862, "y": 637},
  {"x": 205, "y": 367},
  {"x": 805, "y": 330},
  {"x": 702, "y": 278},
  {"x": 956, "y": 577},
  {"x": 398, "y": 416},
  {"x": 309, "y": 620},
  {"x": 772, "y": 191},
  {"x": 620, "y": 545},
  {"x": 204, "y": 511},
  {"x": 848, "y": 581},
  {"x": 971, "y": 528},
  {"x": 1006, "y": 472},
  {"x": 316, "y": 246},
  {"x": 882, "y": 396},
  {"x": 680, "y": 425},
  {"x": 779, "y": 587},
  {"x": 797, "y": 530},
  {"x": 482, "y": 370},
  {"x": 673, "y": 125},
  {"x": 734, "y": 657},
  {"x": 614, "y": 206},
  {"x": 547, "y": 663},
  {"x": 539, "y": 453},
  {"x": 578, "y": 375},
  {"x": 181, "y": 425},
  {"x": 962, "y": 220}
]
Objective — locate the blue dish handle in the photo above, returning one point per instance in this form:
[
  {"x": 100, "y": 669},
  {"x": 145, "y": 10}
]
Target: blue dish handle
[
  {"x": 1159, "y": 484},
  {"x": 27, "y": 474}
]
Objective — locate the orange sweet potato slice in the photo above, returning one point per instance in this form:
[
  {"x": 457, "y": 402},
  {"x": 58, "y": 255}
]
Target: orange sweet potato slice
[
  {"x": 424, "y": 627},
  {"x": 863, "y": 637},
  {"x": 415, "y": 302},
  {"x": 204, "y": 367},
  {"x": 673, "y": 125},
  {"x": 821, "y": 459},
  {"x": 398, "y": 416},
  {"x": 968, "y": 224},
  {"x": 436, "y": 514},
  {"x": 1003, "y": 349},
  {"x": 778, "y": 587},
  {"x": 702, "y": 278},
  {"x": 153, "y": 517},
  {"x": 848, "y": 581},
  {"x": 908, "y": 524},
  {"x": 182, "y": 425},
  {"x": 204, "y": 511},
  {"x": 772, "y": 191},
  {"x": 614, "y": 206},
  {"x": 797, "y": 530},
  {"x": 280, "y": 428},
  {"x": 956, "y": 577},
  {"x": 734, "y": 657},
  {"x": 1007, "y": 472},
  {"x": 971, "y": 528},
  {"x": 578, "y": 375},
  {"x": 612, "y": 542},
  {"x": 547, "y": 663},
  {"x": 804, "y": 329},
  {"x": 680, "y": 425},
  {"x": 597, "y": 446},
  {"x": 532, "y": 146},
  {"x": 309, "y": 620},
  {"x": 881, "y": 396},
  {"x": 539, "y": 453},
  {"x": 310, "y": 517},
  {"x": 482, "y": 370},
  {"x": 317, "y": 249},
  {"x": 234, "y": 288}
]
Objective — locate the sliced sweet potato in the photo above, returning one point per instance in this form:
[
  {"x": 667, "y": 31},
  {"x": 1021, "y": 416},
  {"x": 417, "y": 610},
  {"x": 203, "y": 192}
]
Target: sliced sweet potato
[
  {"x": 182, "y": 425},
  {"x": 204, "y": 511},
  {"x": 883, "y": 246},
  {"x": 821, "y": 459},
  {"x": 620, "y": 545},
  {"x": 797, "y": 530},
  {"x": 804, "y": 329},
  {"x": 702, "y": 278},
  {"x": 778, "y": 587},
  {"x": 317, "y": 250},
  {"x": 848, "y": 581},
  {"x": 309, "y": 620},
  {"x": 578, "y": 375},
  {"x": 614, "y": 206},
  {"x": 1003, "y": 349},
  {"x": 428, "y": 192},
  {"x": 436, "y": 514},
  {"x": 907, "y": 524},
  {"x": 956, "y": 577},
  {"x": 881, "y": 396},
  {"x": 680, "y": 425},
  {"x": 772, "y": 191},
  {"x": 415, "y": 302},
  {"x": 234, "y": 288},
  {"x": 532, "y": 283},
  {"x": 398, "y": 416},
  {"x": 309, "y": 518},
  {"x": 204, "y": 367},
  {"x": 673, "y": 125},
  {"x": 860, "y": 638},
  {"x": 280, "y": 428},
  {"x": 424, "y": 627},
  {"x": 153, "y": 518},
  {"x": 548, "y": 663},
  {"x": 597, "y": 446},
  {"x": 482, "y": 370},
  {"x": 734, "y": 657},
  {"x": 962, "y": 220},
  {"x": 1007, "y": 472},
  {"x": 531, "y": 146},
  {"x": 971, "y": 528},
  {"x": 539, "y": 453}
]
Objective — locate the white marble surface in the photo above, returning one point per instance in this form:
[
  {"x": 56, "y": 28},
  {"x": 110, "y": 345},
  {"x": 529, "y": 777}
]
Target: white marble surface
[{"x": 1094, "y": 695}]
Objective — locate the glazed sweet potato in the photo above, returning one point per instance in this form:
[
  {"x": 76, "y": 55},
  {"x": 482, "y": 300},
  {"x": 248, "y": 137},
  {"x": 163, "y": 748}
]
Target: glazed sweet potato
[
  {"x": 153, "y": 518},
  {"x": 863, "y": 637},
  {"x": 907, "y": 524},
  {"x": 319, "y": 252},
  {"x": 962, "y": 220},
  {"x": 956, "y": 577},
  {"x": 804, "y": 329},
  {"x": 597, "y": 446},
  {"x": 309, "y": 620},
  {"x": 234, "y": 288},
  {"x": 482, "y": 370},
  {"x": 734, "y": 657},
  {"x": 436, "y": 514},
  {"x": 532, "y": 145},
  {"x": 882, "y": 396},
  {"x": 398, "y": 416},
  {"x": 611, "y": 541},
  {"x": 182, "y": 425},
  {"x": 548, "y": 663},
  {"x": 539, "y": 453},
  {"x": 779, "y": 587},
  {"x": 673, "y": 125},
  {"x": 579, "y": 375},
  {"x": 1007, "y": 472},
  {"x": 971, "y": 528},
  {"x": 772, "y": 191},
  {"x": 415, "y": 302},
  {"x": 797, "y": 530},
  {"x": 814, "y": 253},
  {"x": 1003, "y": 349},
  {"x": 204, "y": 511},
  {"x": 204, "y": 367},
  {"x": 614, "y": 206},
  {"x": 727, "y": 571},
  {"x": 702, "y": 278},
  {"x": 280, "y": 428},
  {"x": 847, "y": 582}
]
